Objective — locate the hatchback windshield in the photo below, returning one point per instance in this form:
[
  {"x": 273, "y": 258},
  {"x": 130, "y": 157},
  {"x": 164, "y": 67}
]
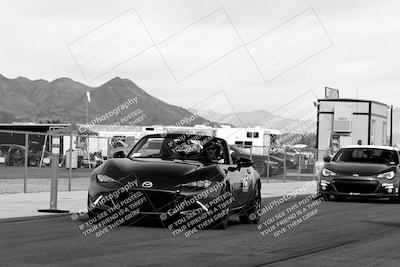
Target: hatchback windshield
[{"x": 367, "y": 155}]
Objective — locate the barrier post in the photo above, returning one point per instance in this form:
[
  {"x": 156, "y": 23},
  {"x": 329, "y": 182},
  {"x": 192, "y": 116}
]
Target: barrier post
[
  {"x": 70, "y": 163},
  {"x": 26, "y": 161},
  {"x": 55, "y": 153},
  {"x": 55, "y": 150}
]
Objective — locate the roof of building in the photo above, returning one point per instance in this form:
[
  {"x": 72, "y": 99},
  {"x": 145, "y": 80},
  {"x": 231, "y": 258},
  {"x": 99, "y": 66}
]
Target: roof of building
[{"x": 352, "y": 100}]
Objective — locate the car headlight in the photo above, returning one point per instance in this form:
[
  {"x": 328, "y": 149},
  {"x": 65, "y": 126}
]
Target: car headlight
[
  {"x": 102, "y": 178},
  {"x": 387, "y": 175},
  {"x": 326, "y": 172},
  {"x": 200, "y": 183}
]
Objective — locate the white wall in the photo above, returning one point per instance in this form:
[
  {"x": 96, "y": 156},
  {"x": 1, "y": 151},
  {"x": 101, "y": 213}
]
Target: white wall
[{"x": 359, "y": 127}]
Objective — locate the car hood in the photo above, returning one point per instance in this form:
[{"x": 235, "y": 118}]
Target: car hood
[
  {"x": 362, "y": 169},
  {"x": 163, "y": 174}
]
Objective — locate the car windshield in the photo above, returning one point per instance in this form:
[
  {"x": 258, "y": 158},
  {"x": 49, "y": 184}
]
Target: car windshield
[
  {"x": 183, "y": 147},
  {"x": 367, "y": 155}
]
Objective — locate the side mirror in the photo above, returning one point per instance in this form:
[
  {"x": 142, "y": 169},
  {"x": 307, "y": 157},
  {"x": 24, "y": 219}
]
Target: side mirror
[
  {"x": 244, "y": 162},
  {"x": 327, "y": 159},
  {"x": 119, "y": 154},
  {"x": 232, "y": 169}
]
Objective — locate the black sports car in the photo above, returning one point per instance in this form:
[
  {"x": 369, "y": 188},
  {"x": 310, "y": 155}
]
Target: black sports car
[
  {"x": 361, "y": 171},
  {"x": 177, "y": 178}
]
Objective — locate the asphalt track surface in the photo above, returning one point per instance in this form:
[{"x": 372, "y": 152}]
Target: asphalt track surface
[{"x": 350, "y": 233}]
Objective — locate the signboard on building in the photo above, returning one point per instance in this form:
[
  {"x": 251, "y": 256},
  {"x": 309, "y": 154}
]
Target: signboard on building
[
  {"x": 342, "y": 119},
  {"x": 331, "y": 92}
]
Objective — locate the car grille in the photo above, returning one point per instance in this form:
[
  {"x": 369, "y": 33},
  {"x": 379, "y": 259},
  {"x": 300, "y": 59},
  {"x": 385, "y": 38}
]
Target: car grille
[
  {"x": 156, "y": 201},
  {"x": 355, "y": 186}
]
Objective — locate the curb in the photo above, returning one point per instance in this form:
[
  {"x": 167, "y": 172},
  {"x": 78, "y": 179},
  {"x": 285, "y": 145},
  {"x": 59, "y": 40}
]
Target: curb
[{"x": 32, "y": 218}]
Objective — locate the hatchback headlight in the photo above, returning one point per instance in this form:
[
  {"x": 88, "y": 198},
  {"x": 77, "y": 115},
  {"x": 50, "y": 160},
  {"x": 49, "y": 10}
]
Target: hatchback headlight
[
  {"x": 387, "y": 175},
  {"x": 200, "y": 183},
  {"x": 102, "y": 178},
  {"x": 325, "y": 172}
]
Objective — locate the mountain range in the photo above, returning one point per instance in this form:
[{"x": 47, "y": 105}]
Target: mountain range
[{"x": 64, "y": 100}]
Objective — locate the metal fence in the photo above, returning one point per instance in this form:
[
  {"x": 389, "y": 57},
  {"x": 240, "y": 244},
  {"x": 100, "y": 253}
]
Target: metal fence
[
  {"x": 26, "y": 160},
  {"x": 282, "y": 164}
]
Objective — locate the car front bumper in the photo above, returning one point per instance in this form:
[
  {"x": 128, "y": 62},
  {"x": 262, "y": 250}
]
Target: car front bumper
[
  {"x": 153, "y": 202},
  {"x": 369, "y": 187}
]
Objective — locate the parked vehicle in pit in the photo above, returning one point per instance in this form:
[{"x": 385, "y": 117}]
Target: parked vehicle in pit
[
  {"x": 286, "y": 153},
  {"x": 14, "y": 155},
  {"x": 121, "y": 143},
  {"x": 361, "y": 171},
  {"x": 172, "y": 169},
  {"x": 260, "y": 162}
]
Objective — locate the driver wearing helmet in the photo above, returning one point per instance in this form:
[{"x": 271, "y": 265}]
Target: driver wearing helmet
[{"x": 212, "y": 152}]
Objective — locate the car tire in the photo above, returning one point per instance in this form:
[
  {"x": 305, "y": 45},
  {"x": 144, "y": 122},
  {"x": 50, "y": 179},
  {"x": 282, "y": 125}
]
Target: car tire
[
  {"x": 223, "y": 222},
  {"x": 394, "y": 199},
  {"x": 261, "y": 168},
  {"x": 251, "y": 215},
  {"x": 91, "y": 215}
]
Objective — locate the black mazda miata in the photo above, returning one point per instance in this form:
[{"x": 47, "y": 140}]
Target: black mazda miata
[
  {"x": 178, "y": 178},
  {"x": 361, "y": 171}
]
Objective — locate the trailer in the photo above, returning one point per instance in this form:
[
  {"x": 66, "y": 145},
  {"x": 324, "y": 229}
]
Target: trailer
[{"x": 259, "y": 139}]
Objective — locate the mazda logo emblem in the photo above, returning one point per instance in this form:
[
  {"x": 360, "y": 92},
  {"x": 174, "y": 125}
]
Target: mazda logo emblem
[
  {"x": 147, "y": 184},
  {"x": 356, "y": 175}
]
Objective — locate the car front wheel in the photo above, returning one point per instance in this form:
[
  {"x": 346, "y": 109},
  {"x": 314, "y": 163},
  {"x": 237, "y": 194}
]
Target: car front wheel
[
  {"x": 252, "y": 215},
  {"x": 394, "y": 199}
]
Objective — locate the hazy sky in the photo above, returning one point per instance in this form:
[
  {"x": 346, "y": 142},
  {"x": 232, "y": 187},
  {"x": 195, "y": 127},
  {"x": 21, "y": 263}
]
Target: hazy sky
[{"x": 365, "y": 52}]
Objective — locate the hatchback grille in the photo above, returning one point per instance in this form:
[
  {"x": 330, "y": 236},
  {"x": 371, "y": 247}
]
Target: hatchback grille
[{"x": 355, "y": 186}]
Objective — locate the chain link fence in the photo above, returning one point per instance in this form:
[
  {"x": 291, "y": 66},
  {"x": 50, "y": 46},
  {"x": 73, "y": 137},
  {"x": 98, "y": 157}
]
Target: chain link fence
[
  {"x": 26, "y": 160},
  {"x": 282, "y": 164}
]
